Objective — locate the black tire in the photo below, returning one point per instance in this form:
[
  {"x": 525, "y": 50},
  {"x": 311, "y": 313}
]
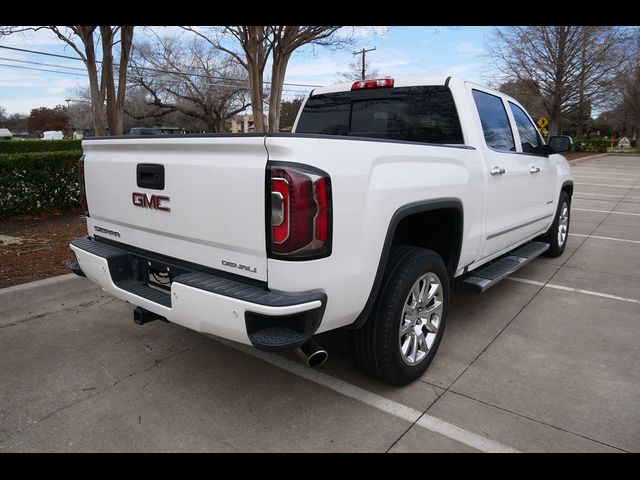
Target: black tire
[
  {"x": 377, "y": 343},
  {"x": 556, "y": 248}
]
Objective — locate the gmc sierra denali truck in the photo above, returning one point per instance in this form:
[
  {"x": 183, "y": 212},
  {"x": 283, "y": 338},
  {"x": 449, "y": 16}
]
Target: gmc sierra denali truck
[{"x": 386, "y": 191}]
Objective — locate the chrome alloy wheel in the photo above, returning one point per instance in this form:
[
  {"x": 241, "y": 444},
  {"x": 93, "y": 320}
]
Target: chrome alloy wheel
[
  {"x": 563, "y": 224},
  {"x": 420, "y": 318}
]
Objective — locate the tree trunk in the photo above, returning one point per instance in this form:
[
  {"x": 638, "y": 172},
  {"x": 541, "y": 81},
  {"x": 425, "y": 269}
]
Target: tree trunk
[
  {"x": 220, "y": 124},
  {"x": 581, "y": 100},
  {"x": 106, "y": 33},
  {"x": 278, "y": 71},
  {"x": 97, "y": 94},
  {"x": 254, "y": 50},
  {"x": 126, "y": 40},
  {"x": 257, "y": 92},
  {"x": 579, "y": 116},
  {"x": 554, "y": 107},
  {"x": 212, "y": 124}
]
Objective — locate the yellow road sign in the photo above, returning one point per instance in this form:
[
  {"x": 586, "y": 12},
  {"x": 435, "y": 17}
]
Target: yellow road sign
[{"x": 542, "y": 122}]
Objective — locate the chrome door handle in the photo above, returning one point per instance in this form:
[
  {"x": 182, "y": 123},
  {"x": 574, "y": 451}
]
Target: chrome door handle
[
  {"x": 534, "y": 170},
  {"x": 496, "y": 171}
]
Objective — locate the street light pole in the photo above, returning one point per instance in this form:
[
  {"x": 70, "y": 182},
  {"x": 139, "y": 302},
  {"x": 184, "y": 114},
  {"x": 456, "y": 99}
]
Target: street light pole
[{"x": 363, "y": 52}]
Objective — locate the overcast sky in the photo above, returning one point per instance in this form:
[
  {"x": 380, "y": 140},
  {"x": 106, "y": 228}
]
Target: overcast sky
[{"x": 400, "y": 51}]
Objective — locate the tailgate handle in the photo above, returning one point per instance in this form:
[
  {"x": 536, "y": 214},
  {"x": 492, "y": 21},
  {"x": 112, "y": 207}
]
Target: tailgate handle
[{"x": 150, "y": 175}]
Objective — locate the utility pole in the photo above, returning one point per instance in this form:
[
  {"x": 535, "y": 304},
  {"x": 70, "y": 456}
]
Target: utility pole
[
  {"x": 69, "y": 126},
  {"x": 363, "y": 52}
]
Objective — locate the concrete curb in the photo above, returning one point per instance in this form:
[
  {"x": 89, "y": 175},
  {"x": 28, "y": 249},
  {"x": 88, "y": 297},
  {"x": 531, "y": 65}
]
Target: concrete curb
[{"x": 38, "y": 283}]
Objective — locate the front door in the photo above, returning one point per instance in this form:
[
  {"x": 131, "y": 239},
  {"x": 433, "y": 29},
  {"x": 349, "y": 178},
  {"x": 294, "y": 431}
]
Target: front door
[
  {"x": 542, "y": 169},
  {"x": 510, "y": 216}
]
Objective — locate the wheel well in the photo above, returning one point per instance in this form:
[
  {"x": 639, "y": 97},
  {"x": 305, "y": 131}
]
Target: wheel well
[
  {"x": 568, "y": 187},
  {"x": 438, "y": 230},
  {"x": 435, "y": 224}
]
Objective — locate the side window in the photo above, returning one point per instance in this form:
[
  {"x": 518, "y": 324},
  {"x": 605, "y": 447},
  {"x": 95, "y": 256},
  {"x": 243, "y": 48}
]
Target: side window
[
  {"x": 529, "y": 136},
  {"x": 495, "y": 122}
]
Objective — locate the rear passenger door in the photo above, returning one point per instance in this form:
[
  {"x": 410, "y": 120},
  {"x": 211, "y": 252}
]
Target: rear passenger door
[
  {"x": 543, "y": 174},
  {"x": 509, "y": 217}
]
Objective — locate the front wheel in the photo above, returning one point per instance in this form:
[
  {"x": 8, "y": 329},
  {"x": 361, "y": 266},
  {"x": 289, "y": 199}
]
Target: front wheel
[
  {"x": 402, "y": 335},
  {"x": 558, "y": 233}
]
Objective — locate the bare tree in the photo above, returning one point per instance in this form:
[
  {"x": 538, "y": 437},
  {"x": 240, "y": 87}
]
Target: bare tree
[
  {"x": 570, "y": 65},
  {"x": 253, "y": 55},
  {"x": 194, "y": 79},
  {"x": 286, "y": 40},
  {"x": 80, "y": 110},
  {"x": 527, "y": 93},
  {"x": 625, "y": 115},
  {"x": 258, "y": 44},
  {"x": 84, "y": 41},
  {"x": 628, "y": 89},
  {"x": 355, "y": 71}
]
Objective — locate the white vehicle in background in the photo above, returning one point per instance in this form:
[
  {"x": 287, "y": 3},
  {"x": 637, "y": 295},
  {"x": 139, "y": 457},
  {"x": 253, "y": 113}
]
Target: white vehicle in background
[
  {"x": 362, "y": 218},
  {"x": 52, "y": 135}
]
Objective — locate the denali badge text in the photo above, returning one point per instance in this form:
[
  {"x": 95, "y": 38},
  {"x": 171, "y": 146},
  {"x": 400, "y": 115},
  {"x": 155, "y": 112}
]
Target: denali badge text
[
  {"x": 241, "y": 267},
  {"x": 154, "y": 202}
]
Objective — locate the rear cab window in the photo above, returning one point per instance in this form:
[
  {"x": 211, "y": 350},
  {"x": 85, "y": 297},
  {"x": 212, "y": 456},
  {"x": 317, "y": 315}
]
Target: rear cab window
[{"x": 425, "y": 114}]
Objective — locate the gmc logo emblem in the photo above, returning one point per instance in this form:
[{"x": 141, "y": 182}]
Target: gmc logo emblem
[{"x": 150, "y": 201}]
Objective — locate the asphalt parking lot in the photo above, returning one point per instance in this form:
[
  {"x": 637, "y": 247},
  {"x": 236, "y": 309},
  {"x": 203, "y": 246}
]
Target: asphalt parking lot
[{"x": 548, "y": 360}]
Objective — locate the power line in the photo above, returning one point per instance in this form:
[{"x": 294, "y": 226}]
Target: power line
[
  {"x": 150, "y": 69},
  {"x": 40, "y": 63},
  {"x": 42, "y": 70},
  {"x": 290, "y": 90},
  {"x": 39, "y": 53}
]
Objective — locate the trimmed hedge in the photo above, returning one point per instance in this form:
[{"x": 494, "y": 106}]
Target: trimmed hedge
[
  {"x": 591, "y": 145},
  {"x": 32, "y": 183},
  {"x": 31, "y": 146}
]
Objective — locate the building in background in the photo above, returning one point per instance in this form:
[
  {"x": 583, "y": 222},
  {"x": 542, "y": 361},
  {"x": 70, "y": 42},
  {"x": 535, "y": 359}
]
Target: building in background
[{"x": 245, "y": 124}]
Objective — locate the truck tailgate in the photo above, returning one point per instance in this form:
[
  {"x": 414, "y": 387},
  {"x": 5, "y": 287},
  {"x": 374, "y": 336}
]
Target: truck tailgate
[{"x": 212, "y": 204}]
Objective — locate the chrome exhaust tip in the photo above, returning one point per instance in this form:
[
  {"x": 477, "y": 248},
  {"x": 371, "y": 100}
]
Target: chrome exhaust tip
[{"x": 312, "y": 354}]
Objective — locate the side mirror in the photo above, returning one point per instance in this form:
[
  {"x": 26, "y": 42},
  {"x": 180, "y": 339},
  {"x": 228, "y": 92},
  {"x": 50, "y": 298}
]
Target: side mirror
[{"x": 561, "y": 143}]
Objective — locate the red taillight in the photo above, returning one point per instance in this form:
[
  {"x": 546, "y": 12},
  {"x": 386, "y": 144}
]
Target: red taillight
[
  {"x": 83, "y": 190},
  {"x": 379, "y": 83},
  {"x": 322, "y": 219},
  {"x": 300, "y": 212}
]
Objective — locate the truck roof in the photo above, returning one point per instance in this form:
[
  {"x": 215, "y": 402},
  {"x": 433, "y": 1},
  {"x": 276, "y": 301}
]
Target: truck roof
[{"x": 398, "y": 82}]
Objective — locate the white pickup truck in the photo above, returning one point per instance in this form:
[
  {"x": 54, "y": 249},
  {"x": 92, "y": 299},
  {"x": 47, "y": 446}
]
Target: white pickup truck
[{"x": 386, "y": 191}]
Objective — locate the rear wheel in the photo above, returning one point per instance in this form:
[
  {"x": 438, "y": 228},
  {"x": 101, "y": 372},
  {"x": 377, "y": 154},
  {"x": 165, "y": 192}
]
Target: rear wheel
[
  {"x": 558, "y": 233},
  {"x": 402, "y": 335}
]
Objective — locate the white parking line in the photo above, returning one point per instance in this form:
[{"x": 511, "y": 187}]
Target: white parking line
[
  {"x": 598, "y": 166},
  {"x": 599, "y": 194},
  {"x": 374, "y": 400},
  {"x": 605, "y": 211},
  {"x": 604, "y": 178},
  {"x": 571, "y": 289},
  {"x": 605, "y": 185},
  {"x": 604, "y": 238},
  {"x": 577, "y": 171},
  {"x": 605, "y": 195},
  {"x": 616, "y": 170}
]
